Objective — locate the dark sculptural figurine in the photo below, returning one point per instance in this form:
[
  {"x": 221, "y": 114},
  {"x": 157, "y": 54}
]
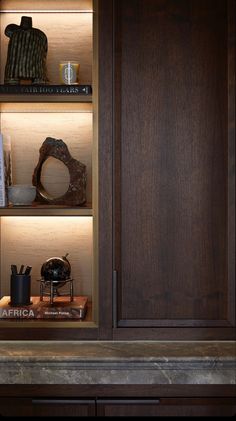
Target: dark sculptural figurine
[
  {"x": 26, "y": 56},
  {"x": 76, "y": 193}
]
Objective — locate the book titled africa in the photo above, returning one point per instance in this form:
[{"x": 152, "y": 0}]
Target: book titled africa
[{"x": 60, "y": 309}]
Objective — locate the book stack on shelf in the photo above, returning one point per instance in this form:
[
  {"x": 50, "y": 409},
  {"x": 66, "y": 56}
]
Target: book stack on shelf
[{"x": 60, "y": 309}]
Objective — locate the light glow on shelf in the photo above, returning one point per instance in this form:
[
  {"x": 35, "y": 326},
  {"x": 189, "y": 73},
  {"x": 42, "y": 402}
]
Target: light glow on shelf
[
  {"x": 60, "y": 220},
  {"x": 45, "y": 11},
  {"x": 45, "y": 107}
]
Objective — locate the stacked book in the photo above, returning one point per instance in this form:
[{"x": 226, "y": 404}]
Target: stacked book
[
  {"x": 60, "y": 309},
  {"x": 46, "y": 89}
]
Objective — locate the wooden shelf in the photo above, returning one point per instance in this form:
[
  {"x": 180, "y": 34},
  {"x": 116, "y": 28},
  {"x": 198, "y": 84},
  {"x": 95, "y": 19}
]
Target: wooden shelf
[
  {"x": 46, "y": 210},
  {"x": 44, "y": 98},
  {"x": 56, "y": 107}
]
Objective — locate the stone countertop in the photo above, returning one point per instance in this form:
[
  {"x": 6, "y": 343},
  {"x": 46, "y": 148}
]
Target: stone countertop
[{"x": 145, "y": 362}]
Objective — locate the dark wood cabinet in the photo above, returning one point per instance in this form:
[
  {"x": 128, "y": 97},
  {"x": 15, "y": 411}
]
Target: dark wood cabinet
[
  {"x": 117, "y": 407},
  {"x": 174, "y": 134},
  {"x": 127, "y": 407},
  {"x": 162, "y": 221},
  {"x": 165, "y": 407},
  {"x": 47, "y": 407}
]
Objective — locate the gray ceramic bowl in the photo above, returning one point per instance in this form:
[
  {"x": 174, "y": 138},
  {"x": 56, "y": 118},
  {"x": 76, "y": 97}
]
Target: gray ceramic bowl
[{"x": 21, "y": 194}]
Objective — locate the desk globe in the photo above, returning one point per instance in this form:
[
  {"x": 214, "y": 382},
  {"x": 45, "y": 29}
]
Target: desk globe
[{"x": 56, "y": 270}]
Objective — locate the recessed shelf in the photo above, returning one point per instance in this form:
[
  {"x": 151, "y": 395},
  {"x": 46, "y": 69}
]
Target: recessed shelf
[{"x": 28, "y": 115}]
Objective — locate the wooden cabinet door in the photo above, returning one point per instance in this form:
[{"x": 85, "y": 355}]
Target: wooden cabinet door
[
  {"x": 174, "y": 134},
  {"x": 26, "y": 407}
]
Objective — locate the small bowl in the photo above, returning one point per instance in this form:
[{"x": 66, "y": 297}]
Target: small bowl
[{"x": 21, "y": 194}]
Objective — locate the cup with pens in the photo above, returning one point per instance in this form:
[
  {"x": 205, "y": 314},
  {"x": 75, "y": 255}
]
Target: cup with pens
[{"x": 20, "y": 286}]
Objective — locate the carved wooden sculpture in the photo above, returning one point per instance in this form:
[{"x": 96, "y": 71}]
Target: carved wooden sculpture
[
  {"x": 27, "y": 51},
  {"x": 76, "y": 193}
]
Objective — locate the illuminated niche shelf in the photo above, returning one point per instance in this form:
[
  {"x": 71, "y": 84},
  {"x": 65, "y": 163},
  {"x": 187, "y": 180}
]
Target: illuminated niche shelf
[
  {"x": 71, "y": 21},
  {"x": 31, "y": 234},
  {"x": 35, "y": 239}
]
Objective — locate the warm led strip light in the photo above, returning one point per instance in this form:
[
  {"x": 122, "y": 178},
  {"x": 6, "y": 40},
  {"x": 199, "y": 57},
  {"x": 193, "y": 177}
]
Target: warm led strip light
[{"x": 46, "y": 11}]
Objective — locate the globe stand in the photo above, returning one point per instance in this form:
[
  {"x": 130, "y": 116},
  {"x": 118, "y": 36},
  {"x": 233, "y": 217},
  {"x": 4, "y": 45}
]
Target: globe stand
[{"x": 50, "y": 289}]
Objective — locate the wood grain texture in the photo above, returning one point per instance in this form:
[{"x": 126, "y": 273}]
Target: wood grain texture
[
  {"x": 49, "y": 332},
  {"x": 50, "y": 407},
  {"x": 166, "y": 407},
  {"x": 231, "y": 159},
  {"x": 167, "y": 333},
  {"x": 171, "y": 145},
  {"x": 117, "y": 407},
  {"x": 105, "y": 132},
  {"x": 76, "y": 33},
  {"x": 165, "y": 390}
]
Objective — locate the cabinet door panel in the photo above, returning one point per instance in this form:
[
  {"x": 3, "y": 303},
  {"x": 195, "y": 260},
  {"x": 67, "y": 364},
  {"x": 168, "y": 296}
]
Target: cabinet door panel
[
  {"x": 174, "y": 126},
  {"x": 169, "y": 407}
]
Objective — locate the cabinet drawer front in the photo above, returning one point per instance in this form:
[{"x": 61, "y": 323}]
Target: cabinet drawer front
[
  {"x": 166, "y": 407},
  {"x": 47, "y": 407}
]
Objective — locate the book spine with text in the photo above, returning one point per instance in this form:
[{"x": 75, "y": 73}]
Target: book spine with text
[{"x": 46, "y": 89}]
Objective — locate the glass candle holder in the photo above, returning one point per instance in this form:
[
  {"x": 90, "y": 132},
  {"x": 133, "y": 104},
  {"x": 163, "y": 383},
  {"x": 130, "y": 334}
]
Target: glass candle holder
[{"x": 69, "y": 72}]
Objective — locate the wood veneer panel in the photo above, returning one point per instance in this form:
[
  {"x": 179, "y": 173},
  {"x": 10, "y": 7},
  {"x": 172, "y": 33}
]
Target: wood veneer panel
[{"x": 171, "y": 161}]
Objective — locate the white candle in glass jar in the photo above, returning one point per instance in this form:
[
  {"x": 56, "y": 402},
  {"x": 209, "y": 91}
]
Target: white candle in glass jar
[{"x": 69, "y": 72}]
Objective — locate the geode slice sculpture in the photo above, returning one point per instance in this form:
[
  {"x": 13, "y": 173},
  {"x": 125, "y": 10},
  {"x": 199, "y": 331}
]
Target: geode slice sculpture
[{"x": 76, "y": 193}]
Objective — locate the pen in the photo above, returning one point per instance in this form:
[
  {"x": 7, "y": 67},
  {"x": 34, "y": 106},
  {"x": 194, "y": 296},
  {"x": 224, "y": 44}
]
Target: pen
[
  {"x": 21, "y": 270},
  {"x": 14, "y": 269},
  {"x": 28, "y": 270}
]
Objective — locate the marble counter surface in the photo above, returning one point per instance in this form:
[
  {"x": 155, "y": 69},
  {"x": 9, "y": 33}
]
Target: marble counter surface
[{"x": 147, "y": 362}]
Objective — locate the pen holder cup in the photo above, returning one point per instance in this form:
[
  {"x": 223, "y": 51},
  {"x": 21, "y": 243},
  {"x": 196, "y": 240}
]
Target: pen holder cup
[{"x": 20, "y": 290}]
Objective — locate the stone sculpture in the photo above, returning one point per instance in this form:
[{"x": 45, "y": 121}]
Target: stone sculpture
[
  {"x": 27, "y": 52},
  {"x": 76, "y": 193}
]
